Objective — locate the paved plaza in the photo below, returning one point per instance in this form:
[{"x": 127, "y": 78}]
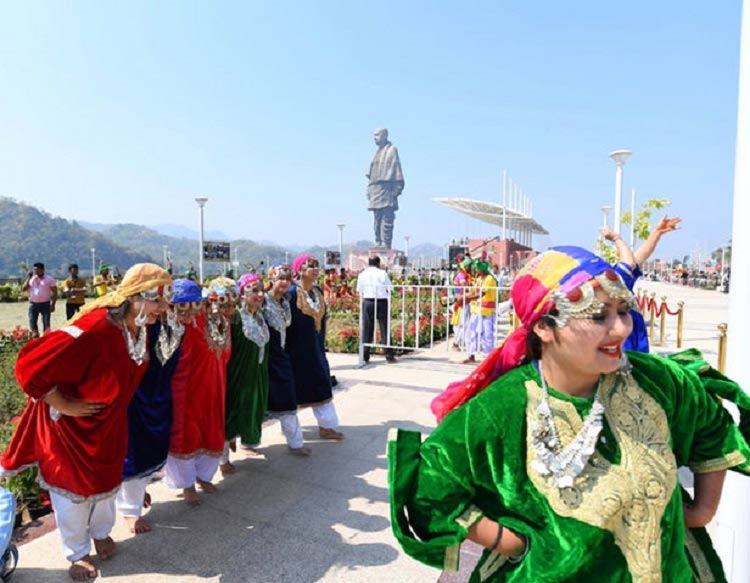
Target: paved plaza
[{"x": 324, "y": 518}]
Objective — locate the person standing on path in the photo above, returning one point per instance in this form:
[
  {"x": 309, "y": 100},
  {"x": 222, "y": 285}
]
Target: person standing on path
[
  {"x": 74, "y": 290},
  {"x": 42, "y": 298},
  {"x": 305, "y": 344},
  {"x": 374, "y": 288},
  {"x": 80, "y": 380},
  {"x": 282, "y": 394},
  {"x": 247, "y": 372}
]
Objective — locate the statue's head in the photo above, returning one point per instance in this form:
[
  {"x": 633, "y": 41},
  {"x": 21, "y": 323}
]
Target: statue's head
[{"x": 381, "y": 136}]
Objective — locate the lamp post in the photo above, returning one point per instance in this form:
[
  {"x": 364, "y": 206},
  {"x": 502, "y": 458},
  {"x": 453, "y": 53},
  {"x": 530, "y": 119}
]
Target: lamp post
[
  {"x": 619, "y": 157},
  {"x": 93, "y": 263},
  {"x": 341, "y": 241},
  {"x": 201, "y": 200},
  {"x": 406, "y": 245},
  {"x": 605, "y": 212}
]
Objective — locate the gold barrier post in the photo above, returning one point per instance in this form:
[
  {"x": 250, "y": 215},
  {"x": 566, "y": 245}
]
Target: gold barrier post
[
  {"x": 652, "y": 316},
  {"x": 663, "y": 320},
  {"x": 722, "y": 359},
  {"x": 680, "y": 314}
]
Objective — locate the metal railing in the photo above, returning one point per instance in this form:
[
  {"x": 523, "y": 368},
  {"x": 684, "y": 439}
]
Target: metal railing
[{"x": 418, "y": 316}]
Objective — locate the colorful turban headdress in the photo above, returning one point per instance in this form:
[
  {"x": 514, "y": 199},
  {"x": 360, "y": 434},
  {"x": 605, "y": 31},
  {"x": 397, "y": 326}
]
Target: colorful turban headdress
[
  {"x": 185, "y": 291},
  {"x": 221, "y": 289},
  {"x": 481, "y": 266},
  {"x": 140, "y": 278},
  {"x": 563, "y": 278},
  {"x": 299, "y": 263},
  {"x": 279, "y": 271},
  {"x": 248, "y": 279},
  {"x": 465, "y": 263}
]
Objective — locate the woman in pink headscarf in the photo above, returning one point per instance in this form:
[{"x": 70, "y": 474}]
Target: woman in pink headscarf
[{"x": 305, "y": 344}]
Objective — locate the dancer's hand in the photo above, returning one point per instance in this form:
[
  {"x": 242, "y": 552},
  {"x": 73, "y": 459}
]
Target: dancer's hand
[{"x": 73, "y": 407}]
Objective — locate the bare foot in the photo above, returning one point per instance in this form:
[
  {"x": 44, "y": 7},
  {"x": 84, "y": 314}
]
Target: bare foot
[
  {"x": 206, "y": 487},
  {"x": 300, "y": 451},
  {"x": 82, "y": 569},
  {"x": 227, "y": 468},
  {"x": 233, "y": 445},
  {"x": 251, "y": 451},
  {"x": 469, "y": 360},
  {"x": 105, "y": 548},
  {"x": 137, "y": 524},
  {"x": 330, "y": 434},
  {"x": 191, "y": 496},
  {"x": 146, "y": 500}
]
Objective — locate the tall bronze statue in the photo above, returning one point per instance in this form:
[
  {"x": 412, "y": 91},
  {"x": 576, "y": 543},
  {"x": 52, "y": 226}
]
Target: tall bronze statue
[{"x": 385, "y": 184}]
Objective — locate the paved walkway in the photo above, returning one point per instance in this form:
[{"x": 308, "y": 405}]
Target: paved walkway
[{"x": 326, "y": 518}]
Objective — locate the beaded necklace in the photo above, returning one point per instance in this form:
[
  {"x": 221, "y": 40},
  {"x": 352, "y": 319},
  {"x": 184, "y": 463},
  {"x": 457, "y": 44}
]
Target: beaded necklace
[{"x": 561, "y": 466}]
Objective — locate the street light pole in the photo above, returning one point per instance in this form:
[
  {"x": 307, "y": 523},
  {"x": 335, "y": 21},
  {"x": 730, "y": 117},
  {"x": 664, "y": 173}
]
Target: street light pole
[
  {"x": 201, "y": 200},
  {"x": 605, "y": 212},
  {"x": 619, "y": 157},
  {"x": 406, "y": 245},
  {"x": 93, "y": 263},
  {"x": 341, "y": 241}
]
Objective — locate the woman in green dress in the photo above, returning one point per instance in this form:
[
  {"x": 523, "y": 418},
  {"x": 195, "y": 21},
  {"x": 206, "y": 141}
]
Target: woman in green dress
[
  {"x": 247, "y": 371},
  {"x": 559, "y": 454}
]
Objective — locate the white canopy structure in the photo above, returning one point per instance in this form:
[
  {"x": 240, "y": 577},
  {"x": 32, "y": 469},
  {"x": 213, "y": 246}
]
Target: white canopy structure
[{"x": 520, "y": 223}]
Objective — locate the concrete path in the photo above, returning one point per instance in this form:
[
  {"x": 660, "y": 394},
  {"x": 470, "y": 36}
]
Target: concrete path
[{"x": 326, "y": 518}]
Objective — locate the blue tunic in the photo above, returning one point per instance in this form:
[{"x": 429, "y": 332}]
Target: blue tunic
[
  {"x": 282, "y": 395},
  {"x": 638, "y": 339},
  {"x": 150, "y": 414},
  {"x": 305, "y": 343}
]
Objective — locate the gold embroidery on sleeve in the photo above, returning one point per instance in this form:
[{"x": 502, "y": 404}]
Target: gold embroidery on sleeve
[
  {"x": 627, "y": 499},
  {"x": 717, "y": 464}
]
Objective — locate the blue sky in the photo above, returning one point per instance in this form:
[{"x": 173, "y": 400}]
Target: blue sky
[{"x": 124, "y": 113}]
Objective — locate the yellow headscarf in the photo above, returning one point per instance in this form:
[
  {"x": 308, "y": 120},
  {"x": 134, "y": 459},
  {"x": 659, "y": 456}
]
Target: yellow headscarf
[{"x": 140, "y": 277}]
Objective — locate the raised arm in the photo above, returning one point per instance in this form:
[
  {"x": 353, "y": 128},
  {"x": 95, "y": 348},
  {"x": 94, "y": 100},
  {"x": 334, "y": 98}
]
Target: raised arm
[
  {"x": 665, "y": 225},
  {"x": 624, "y": 252}
]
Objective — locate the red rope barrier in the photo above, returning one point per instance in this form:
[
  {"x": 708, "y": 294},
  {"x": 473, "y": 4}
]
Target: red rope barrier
[{"x": 645, "y": 304}]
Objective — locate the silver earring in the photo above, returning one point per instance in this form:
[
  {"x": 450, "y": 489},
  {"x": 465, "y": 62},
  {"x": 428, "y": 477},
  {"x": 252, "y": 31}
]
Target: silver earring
[{"x": 141, "y": 318}]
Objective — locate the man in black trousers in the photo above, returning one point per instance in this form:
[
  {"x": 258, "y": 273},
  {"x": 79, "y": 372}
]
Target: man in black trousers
[{"x": 374, "y": 287}]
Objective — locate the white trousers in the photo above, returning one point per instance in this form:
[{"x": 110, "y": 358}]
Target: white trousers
[
  {"x": 79, "y": 523},
  {"x": 292, "y": 430},
  {"x": 325, "y": 415},
  {"x": 130, "y": 497},
  {"x": 182, "y": 473}
]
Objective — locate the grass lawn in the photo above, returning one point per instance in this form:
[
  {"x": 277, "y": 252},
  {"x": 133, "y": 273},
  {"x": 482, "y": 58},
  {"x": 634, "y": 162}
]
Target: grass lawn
[{"x": 17, "y": 313}]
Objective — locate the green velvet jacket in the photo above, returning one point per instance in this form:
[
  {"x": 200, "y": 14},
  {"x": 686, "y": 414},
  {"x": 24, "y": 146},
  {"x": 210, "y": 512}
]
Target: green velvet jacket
[{"x": 622, "y": 520}]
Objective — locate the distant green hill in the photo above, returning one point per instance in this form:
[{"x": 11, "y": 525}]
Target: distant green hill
[{"x": 30, "y": 235}]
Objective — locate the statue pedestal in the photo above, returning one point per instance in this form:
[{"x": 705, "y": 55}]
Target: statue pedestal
[{"x": 389, "y": 258}]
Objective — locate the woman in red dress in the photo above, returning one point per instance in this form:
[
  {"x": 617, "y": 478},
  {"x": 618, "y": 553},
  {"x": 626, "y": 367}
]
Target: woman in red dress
[
  {"x": 80, "y": 380},
  {"x": 198, "y": 394}
]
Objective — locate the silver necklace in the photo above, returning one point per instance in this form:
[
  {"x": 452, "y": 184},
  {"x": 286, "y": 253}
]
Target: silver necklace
[
  {"x": 136, "y": 347},
  {"x": 255, "y": 329},
  {"x": 170, "y": 336},
  {"x": 218, "y": 332},
  {"x": 278, "y": 314},
  {"x": 313, "y": 299},
  {"x": 561, "y": 466}
]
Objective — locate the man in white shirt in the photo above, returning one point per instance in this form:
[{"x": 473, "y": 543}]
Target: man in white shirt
[{"x": 374, "y": 287}]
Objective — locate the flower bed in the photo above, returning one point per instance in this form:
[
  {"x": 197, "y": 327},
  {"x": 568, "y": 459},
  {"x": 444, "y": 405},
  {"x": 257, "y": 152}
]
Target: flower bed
[
  {"x": 32, "y": 501},
  {"x": 343, "y": 322}
]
